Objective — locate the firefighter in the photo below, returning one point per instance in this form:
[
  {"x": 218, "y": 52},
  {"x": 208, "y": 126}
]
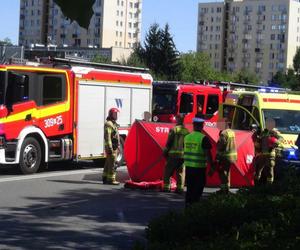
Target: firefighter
[
  {"x": 225, "y": 156},
  {"x": 270, "y": 140},
  {"x": 174, "y": 154},
  {"x": 196, "y": 155},
  {"x": 256, "y": 137},
  {"x": 111, "y": 143}
]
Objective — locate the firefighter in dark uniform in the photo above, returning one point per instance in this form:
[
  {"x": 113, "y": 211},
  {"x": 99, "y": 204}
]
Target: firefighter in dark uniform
[
  {"x": 196, "y": 156},
  {"x": 111, "y": 143},
  {"x": 225, "y": 156},
  {"x": 256, "y": 137},
  {"x": 174, "y": 154},
  {"x": 270, "y": 143}
]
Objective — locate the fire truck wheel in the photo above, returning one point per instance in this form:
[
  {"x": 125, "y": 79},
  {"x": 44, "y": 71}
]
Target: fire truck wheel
[
  {"x": 30, "y": 156},
  {"x": 120, "y": 156}
]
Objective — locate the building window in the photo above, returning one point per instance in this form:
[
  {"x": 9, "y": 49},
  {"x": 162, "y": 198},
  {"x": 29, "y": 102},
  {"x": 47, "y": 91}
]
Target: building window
[
  {"x": 272, "y": 36},
  {"x": 274, "y": 8},
  {"x": 261, "y": 8}
]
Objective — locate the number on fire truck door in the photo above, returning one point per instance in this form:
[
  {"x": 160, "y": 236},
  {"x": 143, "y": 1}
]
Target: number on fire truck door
[{"x": 54, "y": 108}]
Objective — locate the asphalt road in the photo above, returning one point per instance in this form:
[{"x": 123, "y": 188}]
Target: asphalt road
[{"x": 69, "y": 208}]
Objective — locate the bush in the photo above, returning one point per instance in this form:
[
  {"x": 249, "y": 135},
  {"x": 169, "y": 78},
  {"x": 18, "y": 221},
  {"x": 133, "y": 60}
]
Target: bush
[{"x": 263, "y": 217}]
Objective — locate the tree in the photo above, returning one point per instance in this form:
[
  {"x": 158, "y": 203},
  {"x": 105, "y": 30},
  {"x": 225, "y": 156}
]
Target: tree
[
  {"x": 6, "y": 41},
  {"x": 245, "y": 76},
  {"x": 134, "y": 60},
  {"x": 159, "y": 53},
  {"x": 101, "y": 59},
  {"x": 152, "y": 52},
  {"x": 195, "y": 67},
  {"x": 169, "y": 55},
  {"x": 287, "y": 80},
  {"x": 296, "y": 61}
]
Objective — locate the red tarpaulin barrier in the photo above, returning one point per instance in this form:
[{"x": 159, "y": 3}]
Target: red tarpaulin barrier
[{"x": 145, "y": 162}]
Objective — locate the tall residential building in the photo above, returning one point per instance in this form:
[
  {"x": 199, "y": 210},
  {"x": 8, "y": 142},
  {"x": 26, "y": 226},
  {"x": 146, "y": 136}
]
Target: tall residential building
[
  {"x": 261, "y": 36},
  {"x": 115, "y": 23}
]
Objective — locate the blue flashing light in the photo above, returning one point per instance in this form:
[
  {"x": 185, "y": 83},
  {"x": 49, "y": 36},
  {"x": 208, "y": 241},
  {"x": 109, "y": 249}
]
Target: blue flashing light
[
  {"x": 291, "y": 154},
  {"x": 272, "y": 90},
  {"x": 262, "y": 90}
]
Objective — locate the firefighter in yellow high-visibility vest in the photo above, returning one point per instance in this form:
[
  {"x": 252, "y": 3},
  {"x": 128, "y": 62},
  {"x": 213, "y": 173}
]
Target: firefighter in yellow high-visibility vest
[
  {"x": 111, "y": 143},
  {"x": 174, "y": 154},
  {"x": 225, "y": 156},
  {"x": 270, "y": 140}
]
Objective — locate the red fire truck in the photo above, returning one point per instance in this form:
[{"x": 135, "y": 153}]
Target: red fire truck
[
  {"x": 171, "y": 98},
  {"x": 57, "y": 113}
]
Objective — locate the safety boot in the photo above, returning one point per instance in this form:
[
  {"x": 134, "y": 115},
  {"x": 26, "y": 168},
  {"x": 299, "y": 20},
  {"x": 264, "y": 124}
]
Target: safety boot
[
  {"x": 104, "y": 180},
  {"x": 113, "y": 183}
]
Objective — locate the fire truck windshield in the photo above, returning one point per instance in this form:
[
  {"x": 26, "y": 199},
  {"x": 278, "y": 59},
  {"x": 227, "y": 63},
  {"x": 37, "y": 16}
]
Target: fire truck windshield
[
  {"x": 2, "y": 86},
  {"x": 287, "y": 121},
  {"x": 164, "y": 103}
]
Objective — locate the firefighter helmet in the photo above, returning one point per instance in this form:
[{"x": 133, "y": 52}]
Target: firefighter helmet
[
  {"x": 113, "y": 110},
  {"x": 112, "y": 114},
  {"x": 272, "y": 142}
]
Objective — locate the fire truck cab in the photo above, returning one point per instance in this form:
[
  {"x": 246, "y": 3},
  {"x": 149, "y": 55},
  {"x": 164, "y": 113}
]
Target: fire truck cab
[
  {"x": 172, "y": 98},
  {"x": 246, "y": 108},
  {"x": 58, "y": 113}
]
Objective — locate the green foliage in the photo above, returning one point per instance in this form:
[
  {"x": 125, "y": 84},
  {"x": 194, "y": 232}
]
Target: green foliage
[
  {"x": 263, "y": 217},
  {"x": 195, "y": 67},
  {"x": 169, "y": 55},
  {"x": 159, "y": 54},
  {"x": 245, "y": 76},
  {"x": 6, "y": 41},
  {"x": 101, "y": 59},
  {"x": 287, "y": 80},
  {"x": 296, "y": 61},
  {"x": 135, "y": 59}
]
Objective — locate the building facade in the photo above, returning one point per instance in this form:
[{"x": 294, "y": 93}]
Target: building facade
[
  {"x": 261, "y": 36},
  {"x": 115, "y": 23}
]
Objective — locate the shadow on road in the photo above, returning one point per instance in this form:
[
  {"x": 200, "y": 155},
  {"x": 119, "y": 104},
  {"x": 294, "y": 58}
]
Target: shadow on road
[
  {"x": 54, "y": 166},
  {"x": 88, "y": 218}
]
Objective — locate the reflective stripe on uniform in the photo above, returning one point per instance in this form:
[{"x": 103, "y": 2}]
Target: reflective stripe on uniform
[{"x": 193, "y": 152}]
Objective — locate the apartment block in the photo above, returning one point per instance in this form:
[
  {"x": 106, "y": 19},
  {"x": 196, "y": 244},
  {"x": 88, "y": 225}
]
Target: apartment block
[
  {"x": 261, "y": 36},
  {"x": 115, "y": 23}
]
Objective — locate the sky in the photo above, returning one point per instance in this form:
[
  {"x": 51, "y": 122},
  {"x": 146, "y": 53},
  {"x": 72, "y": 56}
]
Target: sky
[{"x": 181, "y": 15}]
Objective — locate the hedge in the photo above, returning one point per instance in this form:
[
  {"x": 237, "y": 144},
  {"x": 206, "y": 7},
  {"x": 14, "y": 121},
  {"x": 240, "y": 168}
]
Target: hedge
[{"x": 263, "y": 217}]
